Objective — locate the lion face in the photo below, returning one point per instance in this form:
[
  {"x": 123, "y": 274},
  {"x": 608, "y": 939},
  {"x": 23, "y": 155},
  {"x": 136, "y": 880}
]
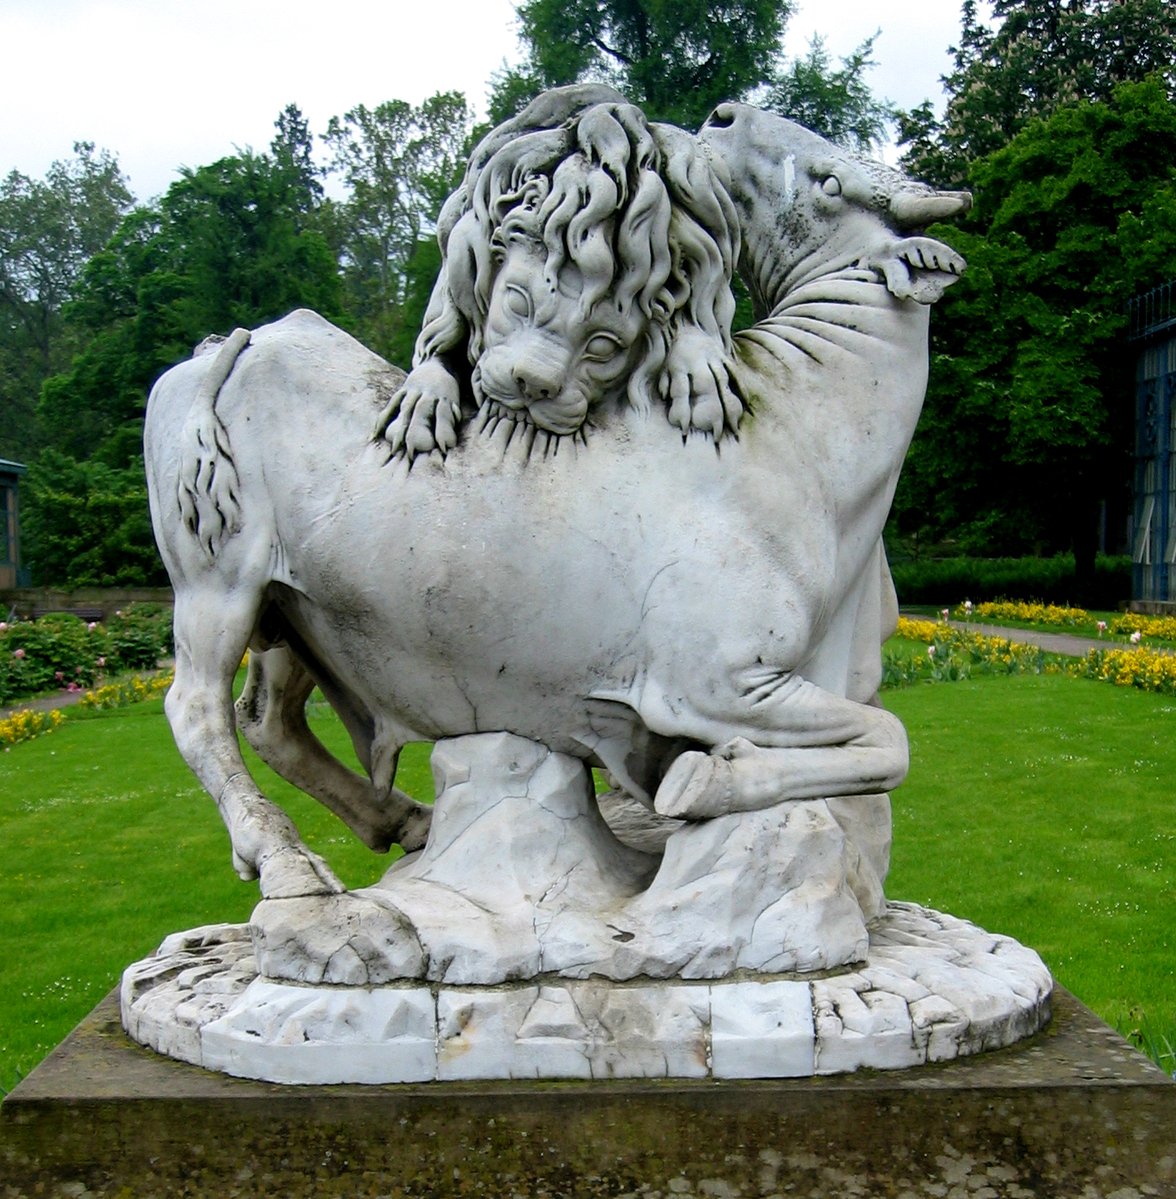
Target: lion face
[{"x": 548, "y": 355}]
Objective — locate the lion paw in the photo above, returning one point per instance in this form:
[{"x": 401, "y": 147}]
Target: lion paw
[
  {"x": 696, "y": 381},
  {"x": 424, "y": 413}
]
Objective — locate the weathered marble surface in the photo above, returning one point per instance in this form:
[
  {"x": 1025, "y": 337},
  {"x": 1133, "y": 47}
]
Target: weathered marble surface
[
  {"x": 591, "y": 527},
  {"x": 934, "y": 988},
  {"x": 591, "y": 515},
  {"x": 522, "y": 878}
]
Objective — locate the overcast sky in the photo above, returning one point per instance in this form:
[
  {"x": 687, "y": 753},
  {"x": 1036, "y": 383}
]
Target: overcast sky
[{"x": 169, "y": 83}]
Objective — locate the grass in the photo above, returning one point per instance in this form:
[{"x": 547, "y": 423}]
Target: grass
[
  {"x": 107, "y": 844},
  {"x": 1038, "y": 806}
]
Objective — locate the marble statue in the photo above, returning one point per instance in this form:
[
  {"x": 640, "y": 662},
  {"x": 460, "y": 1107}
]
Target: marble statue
[{"x": 591, "y": 527}]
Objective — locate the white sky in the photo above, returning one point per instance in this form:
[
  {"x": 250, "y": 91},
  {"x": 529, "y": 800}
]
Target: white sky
[{"x": 169, "y": 83}]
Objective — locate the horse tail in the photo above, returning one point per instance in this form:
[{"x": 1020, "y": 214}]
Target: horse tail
[{"x": 209, "y": 485}]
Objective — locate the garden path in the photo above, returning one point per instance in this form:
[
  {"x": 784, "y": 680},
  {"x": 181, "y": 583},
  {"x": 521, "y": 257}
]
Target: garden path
[{"x": 1052, "y": 643}]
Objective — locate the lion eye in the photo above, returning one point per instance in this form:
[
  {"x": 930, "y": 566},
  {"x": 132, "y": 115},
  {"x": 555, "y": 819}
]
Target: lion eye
[
  {"x": 602, "y": 346},
  {"x": 831, "y": 185},
  {"x": 517, "y": 302}
]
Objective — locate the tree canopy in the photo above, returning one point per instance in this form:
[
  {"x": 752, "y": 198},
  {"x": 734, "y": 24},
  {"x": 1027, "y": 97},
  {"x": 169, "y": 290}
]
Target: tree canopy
[
  {"x": 1059, "y": 116},
  {"x": 678, "y": 60},
  {"x": 49, "y": 229},
  {"x": 1039, "y": 56},
  {"x": 1073, "y": 216}
]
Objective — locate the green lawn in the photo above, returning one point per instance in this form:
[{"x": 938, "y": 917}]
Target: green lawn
[{"x": 1036, "y": 806}]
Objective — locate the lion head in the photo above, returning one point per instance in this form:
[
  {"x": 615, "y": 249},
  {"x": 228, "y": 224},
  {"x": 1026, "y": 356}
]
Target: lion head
[{"x": 582, "y": 246}]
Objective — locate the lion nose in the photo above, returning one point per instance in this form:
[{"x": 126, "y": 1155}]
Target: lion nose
[{"x": 538, "y": 377}]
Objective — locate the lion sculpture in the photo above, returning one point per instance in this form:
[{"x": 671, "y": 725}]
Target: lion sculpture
[{"x": 630, "y": 228}]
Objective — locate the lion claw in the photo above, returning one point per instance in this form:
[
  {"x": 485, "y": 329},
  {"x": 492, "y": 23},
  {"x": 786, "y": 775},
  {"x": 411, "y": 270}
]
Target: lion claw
[
  {"x": 697, "y": 382},
  {"x": 424, "y": 414}
]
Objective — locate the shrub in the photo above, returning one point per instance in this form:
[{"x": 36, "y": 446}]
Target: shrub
[
  {"x": 1053, "y": 580},
  {"x": 57, "y": 650},
  {"x": 27, "y": 724},
  {"x": 140, "y": 635}
]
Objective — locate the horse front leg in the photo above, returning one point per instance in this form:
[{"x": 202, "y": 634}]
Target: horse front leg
[
  {"x": 271, "y": 713},
  {"x": 806, "y": 743},
  {"x": 211, "y": 634}
]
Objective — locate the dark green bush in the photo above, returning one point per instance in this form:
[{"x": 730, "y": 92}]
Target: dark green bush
[
  {"x": 949, "y": 581},
  {"x": 140, "y": 634}
]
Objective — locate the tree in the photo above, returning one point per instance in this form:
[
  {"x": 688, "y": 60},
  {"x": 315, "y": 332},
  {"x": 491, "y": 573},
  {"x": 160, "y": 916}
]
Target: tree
[
  {"x": 48, "y": 230},
  {"x": 398, "y": 163},
  {"x": 677, "y": 61},
  {"x": 834, "y": 102},
  {"x": 292, "y": 149},
  {"x": 1074, "y": 216},
  {"x": 1041, "y": 55},
  {"x": 87, "y": 524},
  {"x": 227, "y": 245}
]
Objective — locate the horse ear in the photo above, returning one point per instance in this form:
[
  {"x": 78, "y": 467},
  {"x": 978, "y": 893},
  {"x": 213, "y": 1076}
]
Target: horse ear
[{"x": 918, "y": 268}]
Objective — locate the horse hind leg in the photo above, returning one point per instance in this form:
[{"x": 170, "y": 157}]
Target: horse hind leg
[
  {"x": 271, "y": 713},
  {"x": 211, "y": 633}
]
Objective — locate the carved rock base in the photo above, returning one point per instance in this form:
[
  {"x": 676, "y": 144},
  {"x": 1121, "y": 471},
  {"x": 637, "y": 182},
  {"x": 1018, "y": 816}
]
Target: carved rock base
[
  {"x": 522, "y": 877},
  {"x": 933, "y": 988}
]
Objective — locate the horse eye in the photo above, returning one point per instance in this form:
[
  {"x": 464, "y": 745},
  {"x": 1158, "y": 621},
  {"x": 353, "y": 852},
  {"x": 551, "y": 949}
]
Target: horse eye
[{"x": 831, "y": 186}]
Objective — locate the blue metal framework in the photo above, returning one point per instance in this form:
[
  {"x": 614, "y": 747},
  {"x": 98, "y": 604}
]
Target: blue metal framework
[{"x": 1153, "y": 328}]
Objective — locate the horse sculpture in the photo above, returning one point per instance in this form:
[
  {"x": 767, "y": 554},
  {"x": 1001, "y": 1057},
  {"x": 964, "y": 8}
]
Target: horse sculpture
[{"x": 689, "y": 596}]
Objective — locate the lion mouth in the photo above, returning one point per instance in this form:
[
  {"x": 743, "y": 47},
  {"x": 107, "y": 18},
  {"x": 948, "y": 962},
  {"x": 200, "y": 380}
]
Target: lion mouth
[{"x": 560, "y": 415}]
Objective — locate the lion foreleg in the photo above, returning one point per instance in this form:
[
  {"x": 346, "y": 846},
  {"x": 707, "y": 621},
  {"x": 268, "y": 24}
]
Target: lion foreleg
[
  {"x": 424, "y": 413},
  {"x": 697, "y": 384}
]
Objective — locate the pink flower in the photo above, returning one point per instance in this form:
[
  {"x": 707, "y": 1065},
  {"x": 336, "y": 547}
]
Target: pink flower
[
  {"x": 1135, "y": 637},
  {"x": 73, "y": 687},
  {"x": 18, "y": 653},
  {"x": 59, "y": 675},
  {"x": 3, "y": 626},
  {"x": 101, "y": 662},
  {"x": 92, "y": 625},
  {"x": 1102, "y": 627}
]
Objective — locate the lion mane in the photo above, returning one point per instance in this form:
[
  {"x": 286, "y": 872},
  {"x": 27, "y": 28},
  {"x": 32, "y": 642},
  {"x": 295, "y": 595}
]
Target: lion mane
[{"x": 638, "y": 209}]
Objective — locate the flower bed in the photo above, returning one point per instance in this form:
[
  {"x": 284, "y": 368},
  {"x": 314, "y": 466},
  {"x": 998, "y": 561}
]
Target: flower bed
[{"x": 60, "y": 651}]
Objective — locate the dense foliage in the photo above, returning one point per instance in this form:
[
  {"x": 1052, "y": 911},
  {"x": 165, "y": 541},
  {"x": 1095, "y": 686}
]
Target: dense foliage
[
  {"x": 1061, "y": 122},
  {"x": 62, "y": 652},
  {"x": 942, "y": 580},
  {"x": 1060, "y": 117},
  {"x": 679, "y": 60}
]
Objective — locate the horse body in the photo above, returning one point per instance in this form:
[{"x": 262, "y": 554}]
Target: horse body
[{"x": 702, "y": 619}]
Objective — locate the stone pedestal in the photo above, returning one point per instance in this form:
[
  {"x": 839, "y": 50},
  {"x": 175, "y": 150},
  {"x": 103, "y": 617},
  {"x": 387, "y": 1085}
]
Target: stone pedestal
[
  {"x": 1072, "y": 1112},
  {"x": 932, "y": 988}
]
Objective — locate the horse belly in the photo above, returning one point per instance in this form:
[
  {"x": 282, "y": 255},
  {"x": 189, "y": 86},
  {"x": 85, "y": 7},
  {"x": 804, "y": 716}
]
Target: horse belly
[{"x": 449, "y": 618}]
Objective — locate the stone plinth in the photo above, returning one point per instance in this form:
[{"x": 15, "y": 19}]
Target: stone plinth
[
  {"x": 932, "y": 988},
  {"x": 1071, "y": 1112}
]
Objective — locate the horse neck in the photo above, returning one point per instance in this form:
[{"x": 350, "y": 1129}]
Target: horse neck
[{"x": 839, "y": 364}]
